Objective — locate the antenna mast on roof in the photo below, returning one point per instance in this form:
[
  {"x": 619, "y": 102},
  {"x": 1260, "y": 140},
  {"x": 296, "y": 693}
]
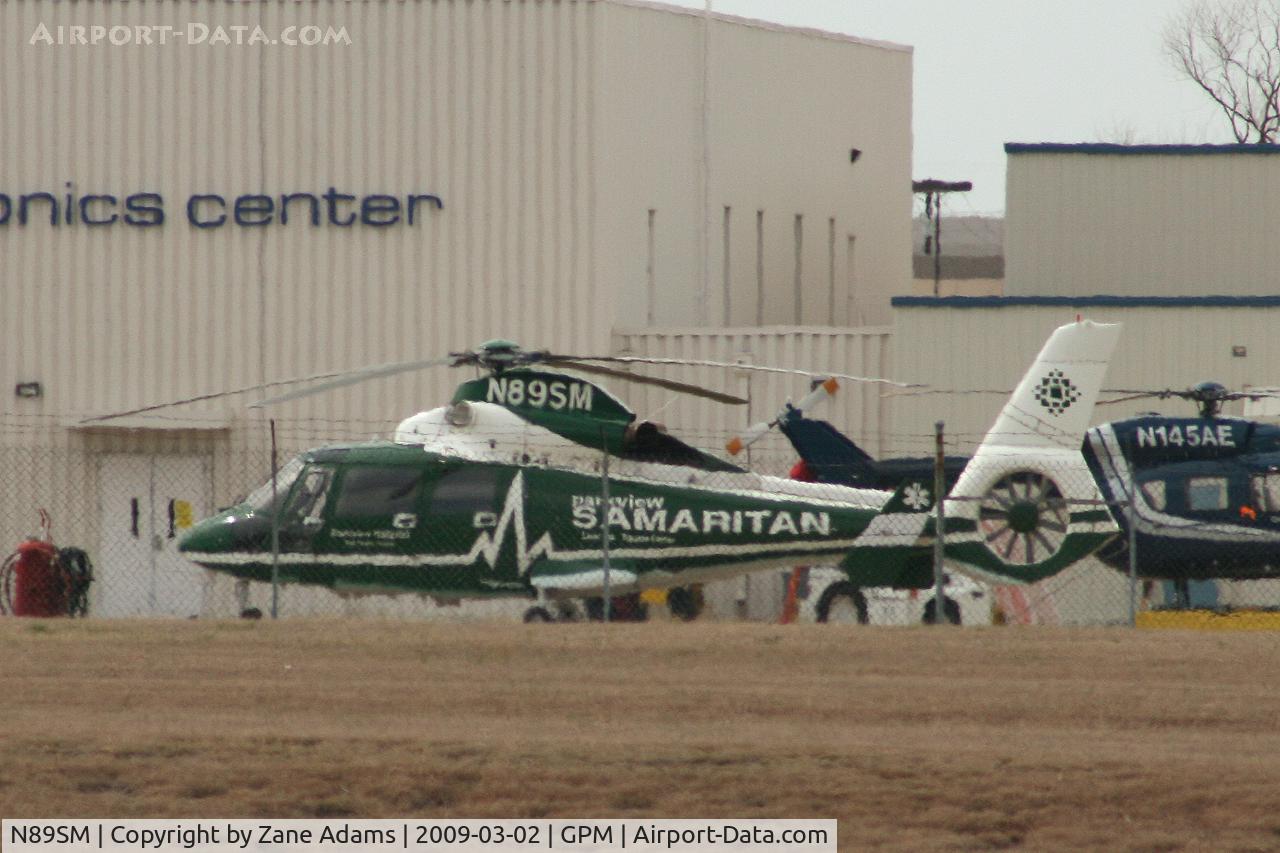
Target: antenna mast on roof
[{"x": 933, "y": 190}]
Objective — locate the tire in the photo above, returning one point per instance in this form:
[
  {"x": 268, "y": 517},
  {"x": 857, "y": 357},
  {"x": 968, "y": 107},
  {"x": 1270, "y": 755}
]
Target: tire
[
  {"x": 538, "y": 614},
  {"x": 842, "y": 601},
  {"x": 685, "y": 602},
  {"x": 623, "y": 608},
  {"x": 950, "y": 609}
]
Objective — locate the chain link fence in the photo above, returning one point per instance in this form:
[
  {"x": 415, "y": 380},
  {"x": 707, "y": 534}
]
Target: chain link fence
[{"x": 381, "y": 530}]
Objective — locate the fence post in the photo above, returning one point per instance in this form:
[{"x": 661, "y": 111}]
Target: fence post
[
  {"x": 275, "y": 526},
  {"x": 940, "y": 517},
  {"x": 604, "y": 522},
  {"x": 1132, "y": 512}
]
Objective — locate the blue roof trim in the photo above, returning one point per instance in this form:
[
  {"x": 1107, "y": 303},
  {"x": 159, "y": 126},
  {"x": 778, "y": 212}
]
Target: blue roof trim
[
  {"x": 1112, "y": 148},
  {"x": 1086, "y": 301}
]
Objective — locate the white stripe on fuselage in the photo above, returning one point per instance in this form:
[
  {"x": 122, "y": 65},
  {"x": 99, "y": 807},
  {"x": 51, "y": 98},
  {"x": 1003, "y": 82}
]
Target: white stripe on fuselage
[{"x": 488, "y": 546}]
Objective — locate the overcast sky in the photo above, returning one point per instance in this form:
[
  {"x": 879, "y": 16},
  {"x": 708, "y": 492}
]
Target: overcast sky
[{"x": 989, "y": 72}]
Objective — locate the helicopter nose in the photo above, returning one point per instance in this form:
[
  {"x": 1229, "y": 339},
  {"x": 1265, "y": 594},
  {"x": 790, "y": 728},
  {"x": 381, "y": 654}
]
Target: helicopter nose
[
  {"x": 208, "y": 536},
  {"x": 226, "y": 531}
]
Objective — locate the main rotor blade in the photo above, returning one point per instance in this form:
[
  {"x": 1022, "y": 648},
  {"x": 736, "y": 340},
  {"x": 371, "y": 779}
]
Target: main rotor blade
[
  {"x": 755, "y": 432},
  {"x": 1125, "y": 399},
  {"x": 352, "y": 377},
  {"x": 669, "y": 384},
  {"x": 200, "y": 398},
  {"x": 750, "y": 436},
  {"x": 641, "y": 359}
]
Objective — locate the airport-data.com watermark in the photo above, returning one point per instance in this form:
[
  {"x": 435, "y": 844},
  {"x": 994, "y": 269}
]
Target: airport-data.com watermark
[{"x": 193, "y": 33}]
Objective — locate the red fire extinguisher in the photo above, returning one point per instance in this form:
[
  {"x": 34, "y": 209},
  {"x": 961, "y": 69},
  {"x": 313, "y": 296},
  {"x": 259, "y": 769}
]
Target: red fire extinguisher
[
  {"x": 39, "y": 579},
  {"x": 40, "y": 586}
]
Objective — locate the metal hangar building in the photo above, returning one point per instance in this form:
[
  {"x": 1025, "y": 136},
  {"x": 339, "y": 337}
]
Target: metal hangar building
[
  {"x": 1174, "y": 241},
  {"x": 271, "y": 190}
]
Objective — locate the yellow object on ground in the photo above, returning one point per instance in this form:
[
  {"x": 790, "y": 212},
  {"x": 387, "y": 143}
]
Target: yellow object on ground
[{"x": 1212, "y": 620}]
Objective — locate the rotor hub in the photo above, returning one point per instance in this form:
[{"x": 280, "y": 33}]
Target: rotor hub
[{"x": 1024, "y": 517}]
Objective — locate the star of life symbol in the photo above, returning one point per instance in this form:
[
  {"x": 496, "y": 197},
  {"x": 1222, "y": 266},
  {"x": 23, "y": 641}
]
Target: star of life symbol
[
  {"x": 1056, "y": 393},
  {"x": 916, "y": 496}
]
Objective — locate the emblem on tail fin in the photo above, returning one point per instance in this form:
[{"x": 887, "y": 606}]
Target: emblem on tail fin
[
  {"x": 1056, "y": 393},
  {"x": 917, "y": 497}
]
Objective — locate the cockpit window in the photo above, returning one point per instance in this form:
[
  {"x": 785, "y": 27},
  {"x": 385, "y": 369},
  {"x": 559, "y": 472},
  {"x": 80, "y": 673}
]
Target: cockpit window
[
  {"x": 377, "y": 491},
  {"x": 260, "y": 498},
  {"x": 1207, "y": 493},
  {"x": 306, "y": 504},
  {"x": 1266, "y": 492},
  {"x": 1153, "y": 492}
]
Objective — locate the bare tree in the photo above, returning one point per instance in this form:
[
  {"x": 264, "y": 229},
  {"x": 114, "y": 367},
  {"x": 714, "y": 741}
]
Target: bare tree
[{"x": 1231, "y": 50}]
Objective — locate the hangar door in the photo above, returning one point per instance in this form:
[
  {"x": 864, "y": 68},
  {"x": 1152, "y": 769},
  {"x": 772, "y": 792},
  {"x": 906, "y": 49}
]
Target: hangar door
[{"x": 147, "y": 502}]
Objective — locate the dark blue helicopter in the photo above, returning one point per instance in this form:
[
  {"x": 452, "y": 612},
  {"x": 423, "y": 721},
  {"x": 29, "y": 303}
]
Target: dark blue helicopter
[
  {"x": 1208, "y": 490},
  {"x": 1208, "y": 486}
]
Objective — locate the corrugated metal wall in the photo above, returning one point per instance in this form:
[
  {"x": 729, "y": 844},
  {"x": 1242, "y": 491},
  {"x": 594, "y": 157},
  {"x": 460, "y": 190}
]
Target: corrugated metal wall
[
  {"x": 485, "y": 105},
  {"x": 1164, "y": 224},
  {"x": 496, "y": 108},
  {"x": 966, "y": 351},
  {"x": 857, "y": 408},
  {"x": 795, "y": 233}
]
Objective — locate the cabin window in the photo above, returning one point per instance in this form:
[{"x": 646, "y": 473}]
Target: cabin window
[
  {"x": 1207, "y": 493},
  {"x": 306, "y": 504},
  {"x": 378, "y": 492},
  {"x": 1153, "y": 492},
  {"x": 465, "y": 490},
  {"x": 1266, "y": 492}
]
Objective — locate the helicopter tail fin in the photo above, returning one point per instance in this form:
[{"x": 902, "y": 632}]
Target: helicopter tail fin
[
  {"x": 1027, "y": 505},
  {"x": 830, "y": 455}
]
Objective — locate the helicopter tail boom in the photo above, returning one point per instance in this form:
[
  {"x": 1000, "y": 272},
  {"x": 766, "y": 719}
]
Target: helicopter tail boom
[{"x": 1026, "y": 506}]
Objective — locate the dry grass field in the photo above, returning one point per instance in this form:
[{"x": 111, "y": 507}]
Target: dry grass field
[{"x": 914, "y": 738}]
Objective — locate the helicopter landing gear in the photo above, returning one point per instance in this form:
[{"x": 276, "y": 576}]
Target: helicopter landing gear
[
  {"x": 538, "y": 614},
  {"x": 563, "y": 610},
  {"x": 686, "y": 602},
  {"x": 622, "y": 608},
  {"x": 842, "y": 602},
  {"x": 950, "y": 611},
  {"x": 1181, "y": 594}
]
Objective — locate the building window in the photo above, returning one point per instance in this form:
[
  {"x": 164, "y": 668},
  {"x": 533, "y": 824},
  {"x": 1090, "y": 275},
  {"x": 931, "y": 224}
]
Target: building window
[
  {"x": 855, "y": 311},
  {"x": 651, "y": 282},
  {"x": 831, "y": 272},
  {"x": 799, "y": 282},
  {"x": 728, "y": 313},
  {"x": 759, "y": 267}
]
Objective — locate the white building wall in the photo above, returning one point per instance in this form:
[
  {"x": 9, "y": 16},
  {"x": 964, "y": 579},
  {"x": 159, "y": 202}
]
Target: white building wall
[
  {"x": 548, "y": 129},
  {"x": 1142, "y": 220},
  {"x": 857, "y": 408},
  {"x": 784, "y": 108},
  {"x": 975, "y": 355}
]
